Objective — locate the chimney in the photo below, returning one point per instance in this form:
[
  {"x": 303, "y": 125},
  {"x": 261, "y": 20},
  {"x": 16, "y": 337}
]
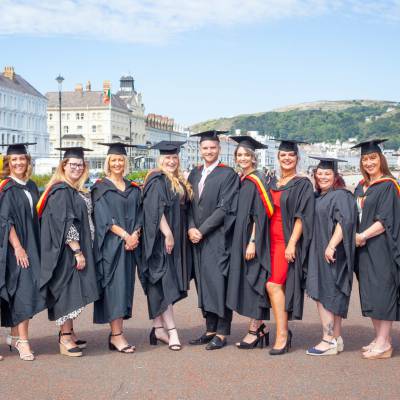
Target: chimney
[
  {"x": 79, "y": 88},
  {"x": 88, "y": 86},
  {"x": 9, "y": 72},
  {"x": 106, "y": 85}
]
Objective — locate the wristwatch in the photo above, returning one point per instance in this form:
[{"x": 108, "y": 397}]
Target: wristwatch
[{"x": 77, "y": 252}]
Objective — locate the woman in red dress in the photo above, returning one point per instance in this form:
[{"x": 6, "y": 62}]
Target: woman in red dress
[{"x": 290, "y": 236}]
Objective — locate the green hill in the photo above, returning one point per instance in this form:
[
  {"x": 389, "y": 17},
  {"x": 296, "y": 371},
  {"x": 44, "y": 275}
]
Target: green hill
[{"x": 324, "y": 121}]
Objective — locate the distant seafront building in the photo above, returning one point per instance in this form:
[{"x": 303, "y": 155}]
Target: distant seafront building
[
  {"x": 89, "y": 117},
  {"x": 22, "y": 114}
]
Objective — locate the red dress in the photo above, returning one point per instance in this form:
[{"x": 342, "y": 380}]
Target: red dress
[{"x": 279, "y": 265}]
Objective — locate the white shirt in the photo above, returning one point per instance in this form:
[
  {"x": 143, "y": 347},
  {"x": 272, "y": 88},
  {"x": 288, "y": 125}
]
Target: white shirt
[
  {"x": 28, "y": 194},
  {"x": 206, "y": 171}
]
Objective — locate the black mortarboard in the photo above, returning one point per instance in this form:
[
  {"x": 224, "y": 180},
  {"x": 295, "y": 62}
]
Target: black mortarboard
[
  {"x": 249, "y": 142},
  {"x": 328, "y": 162},
  {"x": 210, "y": 135},
  {"x": 289, "y": 144},
  {"x": 17, "y": 148},
  {"x": 73, "y": 152},
  {"x": 370, "y": 146},
  {"x": 117, "y": 148},
  {"x": 167, "y": 147}
]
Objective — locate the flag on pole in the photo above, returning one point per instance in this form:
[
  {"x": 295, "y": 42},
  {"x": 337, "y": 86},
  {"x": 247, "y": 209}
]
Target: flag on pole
[{"x": 106, "y": 95}]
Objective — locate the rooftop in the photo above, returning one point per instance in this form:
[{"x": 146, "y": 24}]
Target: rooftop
[
  {"x": 13, "y": 81},
  {"x": 83, "y": 99}
]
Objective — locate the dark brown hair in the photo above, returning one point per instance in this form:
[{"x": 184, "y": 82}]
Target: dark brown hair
[{"x": 338, "y": 181}]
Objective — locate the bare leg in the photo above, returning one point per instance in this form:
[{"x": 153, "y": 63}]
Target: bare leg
[
  {"x": 328, "y": 324},
  {"x": 169, "y": 324},
  {"x": 337, "y": 326},
  {"x": 383, "y": 335},
  {"x": 22, "y": 332},
  {"x": 277, "y": 297},
  {"x": 67, "y": 340},
  {"x": 119, "y": 341}
]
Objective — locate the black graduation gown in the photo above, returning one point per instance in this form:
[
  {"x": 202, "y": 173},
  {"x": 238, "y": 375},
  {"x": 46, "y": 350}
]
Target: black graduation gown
[
  {"x": 65, "y": 288},
  {"x": 330, "y": 284},
  {"x": 297, "y": 201},
  {"x": 165, "y": 277},
  {"x": 19, "y": 287},
  {"x": 214, "y": 215},
  {"x": 378, "y": 262},
  {"x": 246, "y": 292},
  {"x": 115, "y": 267}
]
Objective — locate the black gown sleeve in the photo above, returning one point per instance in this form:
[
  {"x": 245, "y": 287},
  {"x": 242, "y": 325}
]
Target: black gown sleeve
[
  {"x": 388, "y": 214},
  {"x": 57, "y": 218},
  {"x": 345, "y": 214}
]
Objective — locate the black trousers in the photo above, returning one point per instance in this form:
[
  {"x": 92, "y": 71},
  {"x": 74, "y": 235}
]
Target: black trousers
[{"x": 221, "y": 326}]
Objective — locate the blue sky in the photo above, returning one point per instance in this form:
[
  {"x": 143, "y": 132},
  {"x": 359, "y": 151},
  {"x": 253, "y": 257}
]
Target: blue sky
[{"x": 195, "y": 60}]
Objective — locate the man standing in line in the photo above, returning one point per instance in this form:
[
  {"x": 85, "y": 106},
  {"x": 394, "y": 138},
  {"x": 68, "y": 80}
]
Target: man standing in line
[{"x": 211, "y": 223}]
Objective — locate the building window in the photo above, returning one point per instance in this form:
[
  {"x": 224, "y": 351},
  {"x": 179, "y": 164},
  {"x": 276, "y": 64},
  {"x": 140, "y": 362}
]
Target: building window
[
  {"x": 67, "y": 116},
  {"x": 65, "y": 129},
  {"x": 79, "y": 128},
  {"x": 77, "y": 115},
  {"x": 93, "y": 128},
  {"x": 82, "y": 115},
  {"x": 50, "y": 117},
  {"x": 63, "y": 116}
]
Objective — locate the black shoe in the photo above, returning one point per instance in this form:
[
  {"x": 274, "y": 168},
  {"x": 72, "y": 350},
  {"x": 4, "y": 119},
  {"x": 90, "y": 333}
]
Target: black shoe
[
  {"x": 82, "y": 344},
  {"x": 216, "y": 343},
  {"x": 261, "y": 338},
  {"x": 285, "y": 349},
  {"x": 129, "y": 349},
  {"x": 203, "y": 339},
  {"x": 153, "y": 337}
]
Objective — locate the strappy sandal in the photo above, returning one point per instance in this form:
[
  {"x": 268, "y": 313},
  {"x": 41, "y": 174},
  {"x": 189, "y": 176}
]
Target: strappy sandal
[
  {"x": 65, "y": 351},
  {"x": 375, "y": 354},
  {"x": 176, "y": 346},
  {"x": 153, "y": 339},
  {"x": 124, "y": 350},
  {"x": 22, "y": 356},
  {"x": 261, "y": 338},
  {"x": 10, "y": 339}
]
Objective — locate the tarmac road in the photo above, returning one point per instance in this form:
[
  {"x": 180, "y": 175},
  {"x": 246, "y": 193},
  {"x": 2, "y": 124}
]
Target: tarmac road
[{"x": 154, "y": 372}]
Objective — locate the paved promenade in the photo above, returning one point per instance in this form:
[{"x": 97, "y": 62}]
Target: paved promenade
[{"x": 193, "y": 373}]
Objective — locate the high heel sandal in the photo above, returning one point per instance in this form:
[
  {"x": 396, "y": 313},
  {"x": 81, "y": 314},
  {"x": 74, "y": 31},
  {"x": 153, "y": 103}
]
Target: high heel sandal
[
  {"x": 285, "y": 349},
  {"x": 26, "y": 356},
  {"x": 176, "y": 346},
  {"x": 262, "y": 338},
  {"x": 82, "y": 344},
  {"x": 124, "y": 350},
  {"x": 153, "y": 338},
  {"x": 9, "y": 340},
  {"x": 73, "y": 351}
]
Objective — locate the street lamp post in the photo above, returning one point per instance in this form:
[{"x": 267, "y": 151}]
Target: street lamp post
[
  {"x": 60, "y": 80},
  {"x": 130, "y": 140}
]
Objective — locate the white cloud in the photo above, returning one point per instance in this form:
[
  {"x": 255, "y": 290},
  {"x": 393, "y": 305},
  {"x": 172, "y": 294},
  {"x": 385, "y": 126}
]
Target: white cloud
[{"x": 156, "y": 20}]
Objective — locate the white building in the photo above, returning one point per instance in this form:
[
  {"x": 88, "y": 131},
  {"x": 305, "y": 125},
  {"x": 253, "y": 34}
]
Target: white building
[
  {"x": 22, "y": 114},
  {"x": 89, "y": 117}
]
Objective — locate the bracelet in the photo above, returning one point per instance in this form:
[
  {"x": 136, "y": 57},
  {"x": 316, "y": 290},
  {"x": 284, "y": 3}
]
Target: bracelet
[
  {"x": 252, "y": 240},
  {"x": 77, "y": 254},
  {"x": 77, "y": 251}
]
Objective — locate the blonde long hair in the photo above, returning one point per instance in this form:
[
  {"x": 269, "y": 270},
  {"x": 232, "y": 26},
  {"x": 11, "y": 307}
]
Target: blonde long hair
[
  {"x": 59, "y": 176},
  {"x": 7, "y": 170},
  {"x": 106, "y": 168},
  {"x": 177, "y": 179}
]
